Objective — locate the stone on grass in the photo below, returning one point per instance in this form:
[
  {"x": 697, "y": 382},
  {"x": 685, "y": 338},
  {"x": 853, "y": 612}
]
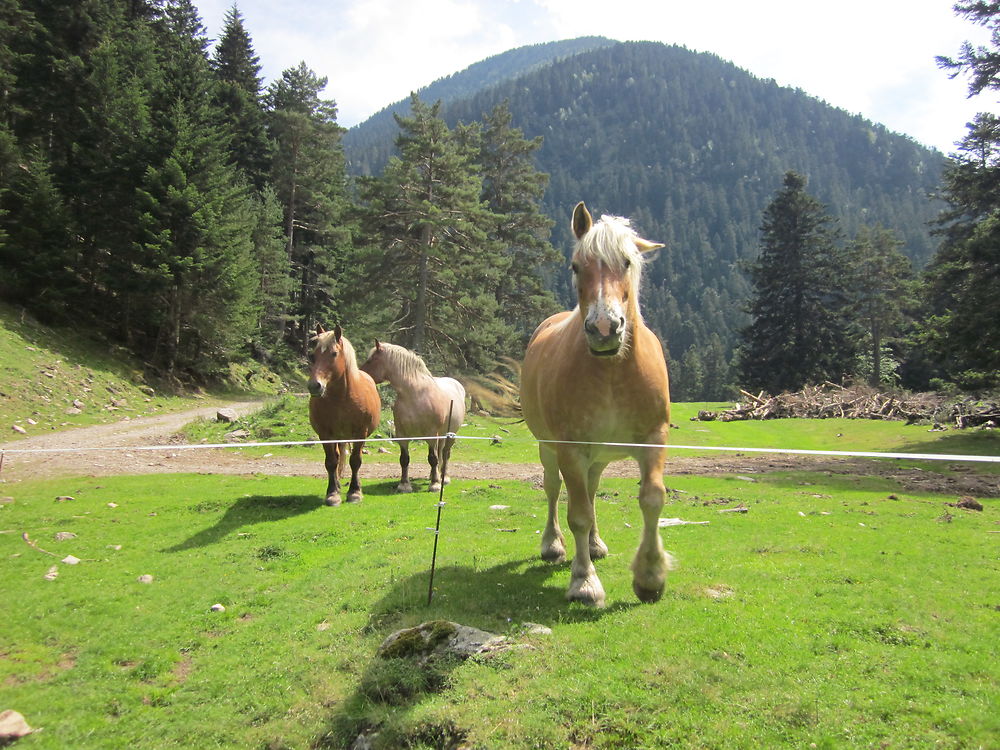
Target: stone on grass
[
  {"x": 440, "y": 638},
  {"x": 145, "y": 578},
  {"x": 12, "y": 726},
  {"x": 217, "y": 608},
  {"x": 226, "y": 415}
]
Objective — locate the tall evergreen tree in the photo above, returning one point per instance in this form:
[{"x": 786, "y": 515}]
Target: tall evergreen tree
[
  {"x": 881, "y": 292},
  {"x": 434, "y": 259},
  {"x": 963, "y": 279},
  {"x": 512, "y": 190},
  {"x": 194, "y": 253},
  {"x": 800, "y": 332},
  {"x": 239, "y": 100}
]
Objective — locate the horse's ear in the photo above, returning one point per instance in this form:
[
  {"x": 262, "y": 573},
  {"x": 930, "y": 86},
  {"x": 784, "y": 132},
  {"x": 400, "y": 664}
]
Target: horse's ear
[
  {"x": 378, "y": 345},
  {"x": 320, "y": 329},
  {"x": 338, "y": 332},
  {"x": 582, "y": 220},
  {"x": 645, "y": 246}
]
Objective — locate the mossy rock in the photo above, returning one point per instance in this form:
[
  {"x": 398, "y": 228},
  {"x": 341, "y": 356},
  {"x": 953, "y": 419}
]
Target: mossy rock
[{"x": 438, "y": 638}]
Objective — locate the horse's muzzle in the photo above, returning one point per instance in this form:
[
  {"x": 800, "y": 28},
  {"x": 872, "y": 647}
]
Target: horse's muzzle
[{"x": 316, "y": 388}]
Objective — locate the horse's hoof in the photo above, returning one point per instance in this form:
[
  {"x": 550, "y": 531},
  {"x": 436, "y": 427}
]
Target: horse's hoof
[
  {"x": 647, "y": 596},
  {"x": 554, "y": 555},
  {"x": 436, "y": 487},
  {"x": 355, "y": 497},
  {"x": 598, "y": 549},
  {"x": 589, "y": 592},
  {"x": 404, "y": 487},
  {"x": 333, "y": 500},
  {"x": 447, "y": 480}
]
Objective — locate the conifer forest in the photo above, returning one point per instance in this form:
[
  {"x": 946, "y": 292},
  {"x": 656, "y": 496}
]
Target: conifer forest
[{"x": 158, "y": 194}]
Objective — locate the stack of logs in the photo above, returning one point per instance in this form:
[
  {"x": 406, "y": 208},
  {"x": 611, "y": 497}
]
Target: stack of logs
[{"x": 861, "y": 402}]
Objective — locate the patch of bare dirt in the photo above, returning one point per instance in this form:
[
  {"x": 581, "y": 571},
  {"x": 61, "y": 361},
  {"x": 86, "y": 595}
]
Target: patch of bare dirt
[{"x": 136, "y": 435}]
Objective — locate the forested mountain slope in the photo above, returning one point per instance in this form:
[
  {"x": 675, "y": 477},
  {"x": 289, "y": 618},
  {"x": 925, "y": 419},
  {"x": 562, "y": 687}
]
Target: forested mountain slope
[{"x": 693, "y": 148}]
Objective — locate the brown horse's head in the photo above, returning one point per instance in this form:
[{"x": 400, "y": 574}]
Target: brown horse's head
[
  {"x": 375, "y": 365},
  {"x": 607, "y": 266},
  {"x": 332, "y": 358}
]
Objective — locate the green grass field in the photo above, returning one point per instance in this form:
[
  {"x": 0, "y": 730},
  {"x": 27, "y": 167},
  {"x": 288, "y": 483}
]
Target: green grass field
[{"x": 839, "y": 611}]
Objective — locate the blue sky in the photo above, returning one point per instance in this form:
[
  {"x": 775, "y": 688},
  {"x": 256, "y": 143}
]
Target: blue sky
[{"x": 873, "y": 57}]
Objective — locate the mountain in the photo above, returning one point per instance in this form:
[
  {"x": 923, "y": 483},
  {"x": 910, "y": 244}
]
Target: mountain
[
  {"x": 370, "y": 142},
  {"x": 693, "y": 148}
]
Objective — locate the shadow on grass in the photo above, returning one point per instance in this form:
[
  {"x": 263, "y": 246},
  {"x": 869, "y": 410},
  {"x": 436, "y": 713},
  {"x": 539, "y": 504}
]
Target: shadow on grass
[
  {"x": 509, "y": 595},
  {"x": 247, "y": 511}
]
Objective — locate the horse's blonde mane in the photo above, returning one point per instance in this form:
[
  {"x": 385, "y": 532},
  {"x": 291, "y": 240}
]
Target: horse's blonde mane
[
  {"x": 612, "y": 241},
  {"x": 327, "y": 340},
  {"x": 403, "y": 362}
]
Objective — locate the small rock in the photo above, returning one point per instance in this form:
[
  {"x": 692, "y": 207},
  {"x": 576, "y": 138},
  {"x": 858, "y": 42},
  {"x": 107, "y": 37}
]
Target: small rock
[
  {"x": 73, "y": 411},
  {"x": 115, "y": 547},
  {"x": 969, "y": 503},
  {"x": 64, "y": 498},
  {"x": 6, "y": 500},
  {"x": 217, "y": 608},
  {"x": 383, "y": 449},
  {"x": 145, "y": 578},
  {"x": 112, "y": 505},
  {"x": 499, "y": 507},
  {"x": 440, "y": 638},
  {"x": 62, "y": 536},
  {"x": 70, "y": 560},
  {"x": 18, "y": 428},
  {"x": 226, "y": 415},
  {"x": 533, "y": 628},
  {"x": 53, "y": 573},
  {"x": 236, "y": 435},
  {"x": 496, "y": 440},
  {"x": 77, "y": 403}
]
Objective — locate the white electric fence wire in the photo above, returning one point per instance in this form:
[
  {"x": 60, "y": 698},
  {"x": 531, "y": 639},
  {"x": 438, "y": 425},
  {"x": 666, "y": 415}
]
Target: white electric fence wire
[{"x": 453, "y": 436}]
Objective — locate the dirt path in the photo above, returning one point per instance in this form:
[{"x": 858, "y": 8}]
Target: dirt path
[{"x": 138, "y": 434}]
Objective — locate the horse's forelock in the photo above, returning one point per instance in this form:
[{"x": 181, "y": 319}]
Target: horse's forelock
[
  {"x": 327, "y": 340},
  {"x": 612, "y": 241}
]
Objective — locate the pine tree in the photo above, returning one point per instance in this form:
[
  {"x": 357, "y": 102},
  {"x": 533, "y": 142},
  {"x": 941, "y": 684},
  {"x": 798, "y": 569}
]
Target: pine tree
[
  {"x": 962, "y": 333},
  {"x": 800, "y": 332},
  {"x": 512, "y": 190},
  {"x": 433, "y": 258},
  {"x": 309, "y": 179},
  {"x": 239, "y": 100},
  {"x": 195, "y": 297},
  {"x": 880, "y": 292}
]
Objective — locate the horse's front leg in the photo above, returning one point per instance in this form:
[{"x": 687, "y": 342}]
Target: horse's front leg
[
  {"x": 651, "y": 563},
  {"x": 404, "y": 467},
  {"x": 432, "y": 459},
  {"x": 354, "y": 494},
  {"x": 553, "y": 543},
  {"x": 584, "y": 587},
  {"x": 598, "y": 549},
  {"x": 332, "y": 463}
]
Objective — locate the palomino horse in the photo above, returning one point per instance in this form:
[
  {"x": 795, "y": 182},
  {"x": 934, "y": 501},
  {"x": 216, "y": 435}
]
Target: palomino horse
[
  {"x": 344, "y": 405},
  {"x": 593, "y": 375},
  {"x": 422, "y": 406}
]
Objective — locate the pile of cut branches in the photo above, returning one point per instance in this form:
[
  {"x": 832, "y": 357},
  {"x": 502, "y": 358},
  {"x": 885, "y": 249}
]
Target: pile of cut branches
[{"x": 861, "y": 402}]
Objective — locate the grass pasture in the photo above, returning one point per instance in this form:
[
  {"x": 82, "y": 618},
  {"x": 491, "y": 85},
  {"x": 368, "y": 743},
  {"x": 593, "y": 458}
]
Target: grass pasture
[{"x": 839, "y": 611}]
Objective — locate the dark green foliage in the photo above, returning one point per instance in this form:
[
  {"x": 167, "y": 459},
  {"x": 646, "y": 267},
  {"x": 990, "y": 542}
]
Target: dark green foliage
[
  {"x": 961, "y": 334},
  {"x": 238, "y": 99},
  {"x": 691, "y": 148},
  {"x": 800, "y": 331},
  {"x": 309, "y": 180},
  {"x": 432, "y": 255}
]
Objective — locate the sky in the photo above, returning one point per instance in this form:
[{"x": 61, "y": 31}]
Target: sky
[{"x": 870, "y": 57}]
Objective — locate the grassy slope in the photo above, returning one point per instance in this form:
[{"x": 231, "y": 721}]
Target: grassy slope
[{"x": 44, "y": 371}]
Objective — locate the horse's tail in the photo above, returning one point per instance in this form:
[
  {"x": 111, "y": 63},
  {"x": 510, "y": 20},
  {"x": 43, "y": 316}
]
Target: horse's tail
[{"x": 495, "y": 392}]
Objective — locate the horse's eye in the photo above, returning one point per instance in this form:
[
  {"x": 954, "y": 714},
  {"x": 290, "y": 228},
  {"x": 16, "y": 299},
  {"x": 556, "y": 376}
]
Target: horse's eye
[
  {"x": 575, "y": 267},
  {"x": 628, "y": 263}
]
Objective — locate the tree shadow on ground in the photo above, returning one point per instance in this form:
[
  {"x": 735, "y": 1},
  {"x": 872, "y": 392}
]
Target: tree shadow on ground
[
  {"x": 499, "y": 599},
  {"x": 248, "y": 511}
]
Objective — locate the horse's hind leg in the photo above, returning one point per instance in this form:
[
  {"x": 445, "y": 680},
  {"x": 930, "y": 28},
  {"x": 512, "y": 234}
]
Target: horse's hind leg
[
  {"x": 354, "y": 494},
  {"x": 651, "y": 563},
  {"x": 553, "y": 543},
  {"x": 404, "y": 467},
  {"x": 333, "y": 452}
]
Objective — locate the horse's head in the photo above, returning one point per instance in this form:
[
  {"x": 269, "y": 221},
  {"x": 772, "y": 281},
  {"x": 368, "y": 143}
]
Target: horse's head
[
  {"x": 375, "y": 365},
  {"x": 607, "y": 266},
  {"x": 332, "y": 356}
]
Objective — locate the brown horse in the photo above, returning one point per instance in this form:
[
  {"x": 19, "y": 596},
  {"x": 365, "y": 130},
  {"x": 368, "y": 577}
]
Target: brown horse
[
  {"x": 344, "y": 405},
  {"x": 596, "y": 374},
  {"x": 423, "y": 403}
]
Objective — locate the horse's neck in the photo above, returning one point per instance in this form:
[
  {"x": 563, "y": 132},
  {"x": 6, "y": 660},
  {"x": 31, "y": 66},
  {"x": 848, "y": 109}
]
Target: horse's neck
[{"x": 405, "y": 382}]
